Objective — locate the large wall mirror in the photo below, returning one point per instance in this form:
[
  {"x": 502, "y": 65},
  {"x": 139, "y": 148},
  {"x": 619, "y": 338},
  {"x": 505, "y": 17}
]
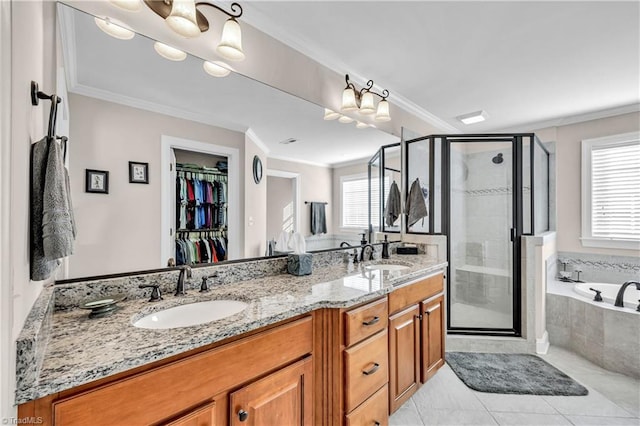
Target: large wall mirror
[{"x": 131, "y": 110}]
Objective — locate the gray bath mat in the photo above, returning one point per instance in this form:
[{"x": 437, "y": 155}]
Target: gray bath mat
[{"x": 512, "y": 373}]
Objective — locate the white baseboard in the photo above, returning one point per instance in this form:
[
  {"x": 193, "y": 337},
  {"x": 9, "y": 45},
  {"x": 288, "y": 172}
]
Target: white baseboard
[{"x": 542, "y": 345}]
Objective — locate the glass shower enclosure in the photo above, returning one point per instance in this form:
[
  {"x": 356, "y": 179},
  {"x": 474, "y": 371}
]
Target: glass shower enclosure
[{"x": 484, "y": 192}]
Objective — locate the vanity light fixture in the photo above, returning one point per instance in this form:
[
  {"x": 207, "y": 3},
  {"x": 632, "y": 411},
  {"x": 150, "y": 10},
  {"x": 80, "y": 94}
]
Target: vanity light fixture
[
  {"x": 362, "y": 100},
  {"x": 330, "y": 114},
  {"x": 473, "y": 117},
  {"x": 216, "y": 68},
  {"x": 168, "y": 52},
  {"x": 183, "y": 17},
  {"x": 130, "y": 5},
  {"x": 344, "y": 119},
  {"x": 361, "y": 125},
  {"x": 113, "y": 29}
]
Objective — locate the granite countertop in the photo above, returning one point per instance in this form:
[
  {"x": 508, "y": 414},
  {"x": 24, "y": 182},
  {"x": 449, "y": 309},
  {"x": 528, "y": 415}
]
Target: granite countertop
[{"x": 80, "y": 350}]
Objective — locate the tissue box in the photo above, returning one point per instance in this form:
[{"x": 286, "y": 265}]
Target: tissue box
[{"x": 300, "y": 264}]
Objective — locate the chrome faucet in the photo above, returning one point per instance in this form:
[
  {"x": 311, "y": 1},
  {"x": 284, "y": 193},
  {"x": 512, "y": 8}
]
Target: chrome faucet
[
  {"x": 185, "y": 269},
  {"x": 620, "y": 297},
  {"x": 362, "y": 252},
  {"x": 344, "y": 244}
]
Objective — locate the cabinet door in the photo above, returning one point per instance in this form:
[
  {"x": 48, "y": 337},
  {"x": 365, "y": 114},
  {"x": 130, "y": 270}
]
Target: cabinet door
[
  {"x": 282, "y": 398},
  {"x": 202, "y": 416},
  {"x": 404, "y": 355},
  {"x": 432, "y": 336}
]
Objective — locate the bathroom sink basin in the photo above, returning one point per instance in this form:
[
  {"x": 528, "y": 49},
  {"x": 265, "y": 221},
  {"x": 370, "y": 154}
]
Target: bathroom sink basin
[
  {"x": 386, "y": 267},
  {"x": 191, "y": 314}
]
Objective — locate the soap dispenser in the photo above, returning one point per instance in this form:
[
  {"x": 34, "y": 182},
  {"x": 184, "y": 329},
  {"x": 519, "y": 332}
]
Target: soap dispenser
[
  {"x": 363, "y": 241},
  {"x": 385, "y": 248}
]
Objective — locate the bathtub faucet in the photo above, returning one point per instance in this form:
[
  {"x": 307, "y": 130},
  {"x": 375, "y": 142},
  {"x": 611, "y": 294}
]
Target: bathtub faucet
[{"x": 620, "y": 296}]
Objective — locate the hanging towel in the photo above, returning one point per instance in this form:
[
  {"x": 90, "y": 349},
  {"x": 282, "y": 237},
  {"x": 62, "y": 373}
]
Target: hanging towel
[
  {"x": 392, "y": 207},
  {"x": 41, "y": 267},
  {"x": 318, "y": 219},
  {"x": 416, "y": 206},
  {"x": 58, "y": 228}
]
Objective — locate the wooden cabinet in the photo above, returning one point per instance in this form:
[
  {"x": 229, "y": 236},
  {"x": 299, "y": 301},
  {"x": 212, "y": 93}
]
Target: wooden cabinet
[
  {"x": 372, "y": 412},
  {"x": 365, "y": 321},
  {"x": 201, "y": 416},
  {"x": 282, "y": 398},
  {"x": 193, "y": 389},
  {"x": 366, "y": 369},
  {"x": 404, "y": 355},
  {"x": 416, "y": 337},
  {"x": 433, "y": 336}
]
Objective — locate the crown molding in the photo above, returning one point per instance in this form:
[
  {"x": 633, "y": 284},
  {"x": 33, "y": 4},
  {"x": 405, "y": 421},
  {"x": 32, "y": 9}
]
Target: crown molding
[
  {"x": 356, "y": 162},
  {"x": 256, "y": 139},
  {"x": 258, "y": 20},
  {"x": 295, "y": 160},
  {"x": 573, "y": 119}
]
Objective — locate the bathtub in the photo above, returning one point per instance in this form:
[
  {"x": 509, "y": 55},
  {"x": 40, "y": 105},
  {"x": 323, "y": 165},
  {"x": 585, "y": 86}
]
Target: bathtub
[{"x": 609, "y": 293}]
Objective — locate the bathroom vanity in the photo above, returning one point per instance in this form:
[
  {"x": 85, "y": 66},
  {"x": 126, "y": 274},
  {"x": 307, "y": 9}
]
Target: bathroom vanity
[{"x": 345, "y": 345}]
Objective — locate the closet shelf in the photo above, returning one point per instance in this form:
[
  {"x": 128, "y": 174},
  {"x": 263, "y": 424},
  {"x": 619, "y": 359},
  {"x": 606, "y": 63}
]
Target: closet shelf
[{"x": 218, "y": 229}]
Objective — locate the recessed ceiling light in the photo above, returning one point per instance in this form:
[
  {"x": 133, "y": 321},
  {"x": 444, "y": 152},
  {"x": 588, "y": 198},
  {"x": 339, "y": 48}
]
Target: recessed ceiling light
[
  {"x": 114, "y": 30},
  {"x": 473, "y": 117},
  {"x": 168, "y": 52},
  {"x": 288, "y": 141}
]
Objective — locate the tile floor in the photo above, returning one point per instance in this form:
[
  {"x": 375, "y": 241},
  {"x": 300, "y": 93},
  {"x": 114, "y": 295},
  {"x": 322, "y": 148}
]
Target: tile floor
[{"x": 613, "y": 399}]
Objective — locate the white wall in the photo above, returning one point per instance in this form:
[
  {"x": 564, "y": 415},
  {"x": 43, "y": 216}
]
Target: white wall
[
  {"x": 255, "y": 202},
  {"x": 568, "y": 175},
  {"x": 33, "y": 57},
  {"x": 315, "y": 182},
  {"x": 280, "y": 198},
  {"x": 118, "y": 232}
]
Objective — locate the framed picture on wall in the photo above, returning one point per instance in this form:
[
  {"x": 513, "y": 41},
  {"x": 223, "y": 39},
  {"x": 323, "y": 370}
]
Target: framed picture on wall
[
  {"x": 97, "y": 181},
  {"x": 138, "y": 172}
]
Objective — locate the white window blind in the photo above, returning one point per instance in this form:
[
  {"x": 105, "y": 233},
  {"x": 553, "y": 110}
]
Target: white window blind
[
  {"x": 611, "y": 191},
  {"x": 615, "y": 192},
  {"x": 355, "y": 202}
]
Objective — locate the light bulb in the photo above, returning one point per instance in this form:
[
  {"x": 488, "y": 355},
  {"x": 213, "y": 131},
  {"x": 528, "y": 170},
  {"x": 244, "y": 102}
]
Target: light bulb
[
  {"x": 367, "y": 106},
  {"x": 183, "y": 18},
  {"x": 383, "y": 111},
  {"x": 216, "y": 68},
  {"x": 230, "y": 46},
  {"x": 330, "y": 114},
  {"x": 344, "y": 119},
  {"x": 168, "y": 52},
  {"x": 348, "y": 100},
  {"x": 114, "y": 30}
]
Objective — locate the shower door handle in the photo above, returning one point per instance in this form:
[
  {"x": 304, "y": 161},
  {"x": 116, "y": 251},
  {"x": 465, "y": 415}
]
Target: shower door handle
[{"x": 513, "y": 234}]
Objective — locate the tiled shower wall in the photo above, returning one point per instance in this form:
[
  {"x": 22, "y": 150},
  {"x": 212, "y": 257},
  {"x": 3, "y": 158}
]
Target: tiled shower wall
[{"x": 600, "y": 268}]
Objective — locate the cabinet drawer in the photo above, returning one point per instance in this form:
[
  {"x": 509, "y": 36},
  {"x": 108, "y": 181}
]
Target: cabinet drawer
[
  {"x": 365, "y": 321},
  {"x": 372, "y": 412},
  {"x": 416, "y": 292},
  {"x": 366, "y": 369}
]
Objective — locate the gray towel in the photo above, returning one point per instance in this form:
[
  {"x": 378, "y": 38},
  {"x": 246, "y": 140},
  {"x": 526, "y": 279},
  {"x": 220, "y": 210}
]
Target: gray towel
[
  {"x": 41, "y": 267},
  {"x": 318, "y": 219},
  {"x": 392, "y": 207},
  {"x": 58, "y": 229},
  {"x": 416, "y": 206}
]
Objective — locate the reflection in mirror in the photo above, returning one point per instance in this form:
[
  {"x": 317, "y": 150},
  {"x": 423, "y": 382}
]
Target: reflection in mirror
[
  {"x": 126, "y": 103},
  {"x": 392, "y": 208}
]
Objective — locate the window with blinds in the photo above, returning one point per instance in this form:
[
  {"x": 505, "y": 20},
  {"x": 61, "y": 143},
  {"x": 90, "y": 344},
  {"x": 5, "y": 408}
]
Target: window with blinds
[
  {"x": 355, "y": 202},
  {"x": 611, "y": 192}
]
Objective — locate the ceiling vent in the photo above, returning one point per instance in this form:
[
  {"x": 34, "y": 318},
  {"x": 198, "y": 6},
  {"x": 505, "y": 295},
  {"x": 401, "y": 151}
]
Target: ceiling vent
[{"x": 288, "y": 141}]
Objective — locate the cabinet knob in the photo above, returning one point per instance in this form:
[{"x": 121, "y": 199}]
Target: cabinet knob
[
  {"x": 243, "y": 415},
  {"x": 372, "y": 321},
  {"x": 372, "y": 369},
  {"x": 419, "y": 317}
]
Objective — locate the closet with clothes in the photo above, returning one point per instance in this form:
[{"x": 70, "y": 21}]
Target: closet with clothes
[{"x": 201, "y": 194}]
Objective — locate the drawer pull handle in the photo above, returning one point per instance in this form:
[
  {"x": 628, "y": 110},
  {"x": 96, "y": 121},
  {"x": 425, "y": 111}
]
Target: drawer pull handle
[
  {"x": 375, "y": 320},
  {"x": 372, "y": 370},
  {"x": 243, "y": 415},
  {"x": 376, "y": 423}
]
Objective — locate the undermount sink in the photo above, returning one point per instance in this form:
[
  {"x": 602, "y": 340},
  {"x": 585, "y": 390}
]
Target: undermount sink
[
  {"x": 191, "y": 314},
  {"x": 386, "y": 267}
]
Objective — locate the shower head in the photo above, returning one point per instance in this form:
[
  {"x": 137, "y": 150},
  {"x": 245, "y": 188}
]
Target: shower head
[{"x": 497, "y": 159}]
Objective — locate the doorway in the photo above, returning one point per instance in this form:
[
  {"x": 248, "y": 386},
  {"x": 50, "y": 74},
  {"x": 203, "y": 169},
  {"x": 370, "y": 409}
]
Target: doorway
[{"x": 282, "y": 205}]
